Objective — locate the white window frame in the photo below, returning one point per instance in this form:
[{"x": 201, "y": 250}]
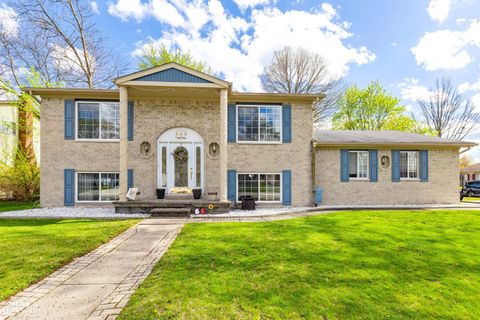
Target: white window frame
[
  {"x": 408, "y": 164},
  {"x": 259, "y": 173},
  {"x": 358, "y": 165},
  {"x": 100, "y": 123},
  {"x": 99, "y": 189},
  {"x": 258, "y": 106}
]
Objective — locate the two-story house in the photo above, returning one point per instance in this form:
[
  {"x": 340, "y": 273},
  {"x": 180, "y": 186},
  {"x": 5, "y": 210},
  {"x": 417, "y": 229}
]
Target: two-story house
[{"x": 174, "y": 128}]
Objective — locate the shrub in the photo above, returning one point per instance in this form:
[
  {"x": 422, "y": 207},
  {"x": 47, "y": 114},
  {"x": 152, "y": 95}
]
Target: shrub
[{"x": 20, "y": 179}]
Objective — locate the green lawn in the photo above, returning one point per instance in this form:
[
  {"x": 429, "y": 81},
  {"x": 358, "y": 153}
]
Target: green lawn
[
  {"x": 30, "y": 249},
  {"x": 471, "y": 199},
  {"x": 345, "y": 265},
  {"x": 12, "y": 205}
]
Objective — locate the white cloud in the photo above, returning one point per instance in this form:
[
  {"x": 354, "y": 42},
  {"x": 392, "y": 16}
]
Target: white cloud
[
  {"x": 8, "y": 21},
  {"x": 66, "y": 59},
  {"x": 447, "y": 49},
  {"x": 239, "y": 48},
  {"x": 476, "y": 101},
  {"x": 126, "y": 9},
  {"x": 245, "y": 4},
  {"x": 466, "y": 86},
  {"x": 410, "y": 89},
  {"x": 94, "y": 6},
  {"x": 439, "y": 9}
]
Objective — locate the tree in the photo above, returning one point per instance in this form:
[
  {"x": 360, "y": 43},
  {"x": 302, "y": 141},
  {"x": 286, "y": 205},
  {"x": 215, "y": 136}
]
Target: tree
[
  {"x": 372, "y": 108},
  {"x": 154, "y": 56},
  {"x": 448, "y": 113},
  {"x": 465, "y": 161},
  {"x": 302, "y": 72},
  {"x": 60, "y": 40}
]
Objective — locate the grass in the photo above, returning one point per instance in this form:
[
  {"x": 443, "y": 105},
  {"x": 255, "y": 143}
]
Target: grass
[
  {"x": 30, "y": 249},
  {"x": 346, "y": 265},
  {"x": 471, "y": 199},
  {"x": 13, "y": 206}
]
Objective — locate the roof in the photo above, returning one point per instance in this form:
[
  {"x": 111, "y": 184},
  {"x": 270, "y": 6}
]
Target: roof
[
  {"x": 386, "y": 138},
  {"x": 473, "y": 168}
]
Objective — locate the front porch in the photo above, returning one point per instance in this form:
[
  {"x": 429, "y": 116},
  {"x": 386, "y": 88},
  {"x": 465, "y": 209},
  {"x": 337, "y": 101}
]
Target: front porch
[{"x": 169, "y": 206}]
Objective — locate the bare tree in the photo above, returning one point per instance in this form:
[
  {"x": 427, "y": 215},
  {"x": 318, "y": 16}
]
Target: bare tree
[
  {"x": 448, "y": 113},
  {"x": 59, "y": 40},
  {"x": 301, "y": 71}
]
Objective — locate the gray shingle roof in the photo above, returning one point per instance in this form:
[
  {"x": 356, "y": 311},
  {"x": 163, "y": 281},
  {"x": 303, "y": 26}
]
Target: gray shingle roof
[{"x": 387, "y": 137}]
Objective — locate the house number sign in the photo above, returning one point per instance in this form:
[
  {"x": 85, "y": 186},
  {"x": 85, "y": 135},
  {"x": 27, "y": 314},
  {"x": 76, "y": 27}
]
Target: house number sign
[{"x": 181, "y": 134}]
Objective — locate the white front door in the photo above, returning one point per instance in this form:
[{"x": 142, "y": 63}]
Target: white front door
[{"x": 180, "y": 163}]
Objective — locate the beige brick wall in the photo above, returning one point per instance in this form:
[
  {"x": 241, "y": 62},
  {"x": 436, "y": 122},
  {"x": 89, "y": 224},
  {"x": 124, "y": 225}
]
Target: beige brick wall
[
  {"x": 152, "y": 118},
  {"x": 441, "y": 188},
  {"x": 295, "y": 156}
]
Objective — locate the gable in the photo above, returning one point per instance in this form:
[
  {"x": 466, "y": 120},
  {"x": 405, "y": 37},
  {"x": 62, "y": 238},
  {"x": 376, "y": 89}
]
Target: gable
[{"x": 172, "y": 75}]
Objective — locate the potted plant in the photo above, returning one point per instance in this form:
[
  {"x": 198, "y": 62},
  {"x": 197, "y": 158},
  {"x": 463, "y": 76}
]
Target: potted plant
[
  {"x": 197, "y": 193},
  {"x": 160, "y": 193}
]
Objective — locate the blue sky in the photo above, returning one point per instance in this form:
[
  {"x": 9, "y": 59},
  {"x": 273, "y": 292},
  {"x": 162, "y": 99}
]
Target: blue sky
[{"x": 405, "y": 44}]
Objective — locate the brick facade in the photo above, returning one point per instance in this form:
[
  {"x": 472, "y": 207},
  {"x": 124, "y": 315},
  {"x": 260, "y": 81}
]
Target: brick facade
[
  {"x": 152, "y": 118},
  {"x": 441, "y": 188}
]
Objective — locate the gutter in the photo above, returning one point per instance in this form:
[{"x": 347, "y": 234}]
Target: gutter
[{"x": 467, "y": 149}]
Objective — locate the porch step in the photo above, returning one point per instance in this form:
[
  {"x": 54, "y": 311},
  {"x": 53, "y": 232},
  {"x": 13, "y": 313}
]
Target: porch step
[{"x": 170, "y": 212}]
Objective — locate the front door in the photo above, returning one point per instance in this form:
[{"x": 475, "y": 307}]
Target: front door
[{"x": 180, "y": 163}]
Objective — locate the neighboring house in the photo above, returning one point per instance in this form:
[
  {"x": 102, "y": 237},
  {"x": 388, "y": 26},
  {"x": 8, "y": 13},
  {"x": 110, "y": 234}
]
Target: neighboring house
[
  {"x": 9, "y": 131},
  {"x": 470, "y": 173},
  {"x": 176, "y": 128}
]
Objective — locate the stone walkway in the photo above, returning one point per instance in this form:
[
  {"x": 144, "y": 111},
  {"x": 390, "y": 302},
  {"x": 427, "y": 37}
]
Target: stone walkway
[{"x": 99, "y": 284}]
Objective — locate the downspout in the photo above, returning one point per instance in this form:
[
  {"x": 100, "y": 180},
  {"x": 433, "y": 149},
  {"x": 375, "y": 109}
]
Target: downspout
[
  {"x": 313, "y": 169},
  {"x": 468, "y": 148}
]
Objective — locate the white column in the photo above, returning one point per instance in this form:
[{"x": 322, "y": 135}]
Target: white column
[
  {"x": 123, "y": 143},
  {"x": 223, "y": 145}
]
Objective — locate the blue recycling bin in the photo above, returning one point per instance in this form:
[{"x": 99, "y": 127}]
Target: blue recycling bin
[{"x": 318, "y": 196}]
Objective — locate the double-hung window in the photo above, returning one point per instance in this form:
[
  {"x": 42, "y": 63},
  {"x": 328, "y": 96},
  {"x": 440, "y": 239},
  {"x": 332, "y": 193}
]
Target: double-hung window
[
  {"x": 262, "y": 187},
  {"x": 358, "y": 164},
  {"x": 259, "y": 124},
  {"x": 98, "y": 121},
  {"x": 7, "y": 127},
  {"x": 97, "y": 186},
  {"x": 409, "y": 165}
]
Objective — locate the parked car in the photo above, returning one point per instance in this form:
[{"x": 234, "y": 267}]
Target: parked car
[{"x": 471, "y": 189}]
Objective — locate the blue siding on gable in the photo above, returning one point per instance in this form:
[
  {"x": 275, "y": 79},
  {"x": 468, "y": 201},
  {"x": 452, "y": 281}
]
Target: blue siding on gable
[
  {"x": 130, "y": 120},
  {"x": 287, "y": 187},
  {"x": 69, "y": 187},
  {"x": 69, "y": 119},
  {"x": 172, "y": 75},
  {"x": 424, "y": 165},
  {"x": 344, "y": 177},
  {"x": 232, "y": 123},
  {"x": 395, "y": 165},
  {"x": 373, "y": 165},
  {"x": 232, "y": 185},
  {"x": 287, "y": 123}
]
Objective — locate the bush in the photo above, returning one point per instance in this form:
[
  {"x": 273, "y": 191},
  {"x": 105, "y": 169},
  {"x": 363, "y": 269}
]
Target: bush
[{"x": 20, "y": 179}]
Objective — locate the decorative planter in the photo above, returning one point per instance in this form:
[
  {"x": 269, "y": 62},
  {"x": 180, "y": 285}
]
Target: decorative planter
[
  {"x": 161, "y": 193},
  {"x": 197, "y": 193}
]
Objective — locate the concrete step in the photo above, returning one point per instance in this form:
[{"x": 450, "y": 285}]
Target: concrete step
[{"x": 170, "y": 212}]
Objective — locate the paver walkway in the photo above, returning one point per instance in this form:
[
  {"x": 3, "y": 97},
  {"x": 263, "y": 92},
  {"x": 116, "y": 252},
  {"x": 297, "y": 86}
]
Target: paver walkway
[{"x": 97, "y": 285}]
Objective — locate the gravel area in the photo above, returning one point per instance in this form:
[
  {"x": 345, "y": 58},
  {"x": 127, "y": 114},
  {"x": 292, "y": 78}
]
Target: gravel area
[{"x": 68, "y": 212}]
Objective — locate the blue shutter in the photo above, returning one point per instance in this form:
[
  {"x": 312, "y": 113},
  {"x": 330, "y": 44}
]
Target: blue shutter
[
  {"x": 287, "y": 123},
  {"x": 69, "y": 120},
  {"x": 286, "y": 187},
  {"x": 344, "y": 165},
  {"x": 424, "y": 165},
  {"x": 395, "y": 165},
  {"x": 130, "y": 120},
  {"x": 373, "y": 165},
  {"x": 69, "y": 187},
  {"x": 232, "y": 125},
  {"x": 130, "y": 178},
  {"x": 232, "y": 185}
]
